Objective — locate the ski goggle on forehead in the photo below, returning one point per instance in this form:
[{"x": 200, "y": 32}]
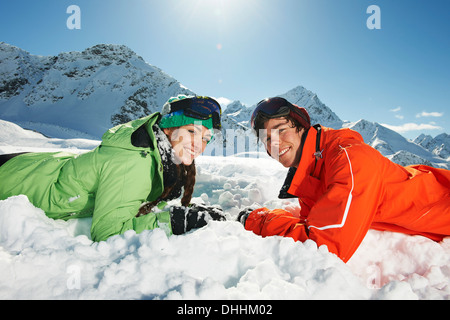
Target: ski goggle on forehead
[
  {"x": 202, "y": 108},
  {"x": 273, "y": 108}
]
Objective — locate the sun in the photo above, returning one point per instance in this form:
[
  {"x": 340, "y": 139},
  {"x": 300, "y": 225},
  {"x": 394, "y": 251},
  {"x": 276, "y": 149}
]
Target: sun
[{"x": 219, "y": 7}]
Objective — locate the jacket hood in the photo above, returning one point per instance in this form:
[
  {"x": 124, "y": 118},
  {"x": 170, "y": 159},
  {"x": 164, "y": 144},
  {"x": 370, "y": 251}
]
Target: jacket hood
[{"x": 120, "y": 135}]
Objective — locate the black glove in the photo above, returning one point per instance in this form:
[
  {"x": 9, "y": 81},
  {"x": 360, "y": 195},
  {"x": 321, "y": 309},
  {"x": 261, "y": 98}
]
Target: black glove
[
  {"x": 184, "y": 219},
  {"x": 243, "y": 215}
]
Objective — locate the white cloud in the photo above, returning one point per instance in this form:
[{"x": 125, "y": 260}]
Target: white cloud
[
  {"x": 223, "y": 102},
  {"x": 429, "y": 114},
  {"x": 396, "y": 110},
  {"x": 412, "y": 127}
]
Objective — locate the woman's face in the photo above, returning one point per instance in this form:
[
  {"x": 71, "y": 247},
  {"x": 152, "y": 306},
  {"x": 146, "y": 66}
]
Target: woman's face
[{"x": 188, "y": 142}]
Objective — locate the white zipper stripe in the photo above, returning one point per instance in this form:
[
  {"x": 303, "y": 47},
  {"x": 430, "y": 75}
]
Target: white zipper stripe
[{"x": 349, "y": 201}]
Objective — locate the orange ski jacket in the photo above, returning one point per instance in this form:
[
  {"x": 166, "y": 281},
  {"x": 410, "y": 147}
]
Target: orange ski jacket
[{"x": 348, "y": 187}]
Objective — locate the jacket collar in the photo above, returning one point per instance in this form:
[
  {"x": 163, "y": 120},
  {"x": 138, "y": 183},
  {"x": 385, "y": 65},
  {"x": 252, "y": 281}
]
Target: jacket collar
[
  {"x": 310, "y": 162},
  {"x": 120, "y": 136}
]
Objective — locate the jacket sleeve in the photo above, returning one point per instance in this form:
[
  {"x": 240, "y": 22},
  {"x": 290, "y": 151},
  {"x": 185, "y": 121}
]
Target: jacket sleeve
[
  {"x": 123, "y": 186},
  {"x": 342, "y": 215},
  {"x": 278, "y": 222}
]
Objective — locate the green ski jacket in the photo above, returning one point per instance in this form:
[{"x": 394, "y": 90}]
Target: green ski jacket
[{"x": 108, "y": 183}]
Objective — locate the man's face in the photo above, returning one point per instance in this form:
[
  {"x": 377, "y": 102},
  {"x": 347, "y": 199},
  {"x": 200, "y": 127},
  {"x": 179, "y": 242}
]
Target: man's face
[{"x": 282, "y": 141}]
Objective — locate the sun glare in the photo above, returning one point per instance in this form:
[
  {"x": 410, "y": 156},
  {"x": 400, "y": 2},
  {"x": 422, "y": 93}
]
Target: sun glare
[{"x": 219, "y": 7}]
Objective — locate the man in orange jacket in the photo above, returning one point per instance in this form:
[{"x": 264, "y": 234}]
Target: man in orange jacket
[{"x": 344, "y": 186}]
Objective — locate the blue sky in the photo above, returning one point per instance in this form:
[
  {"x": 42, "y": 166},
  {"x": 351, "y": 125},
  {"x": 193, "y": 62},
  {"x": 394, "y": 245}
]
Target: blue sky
[{"x": 250, "y": 49}]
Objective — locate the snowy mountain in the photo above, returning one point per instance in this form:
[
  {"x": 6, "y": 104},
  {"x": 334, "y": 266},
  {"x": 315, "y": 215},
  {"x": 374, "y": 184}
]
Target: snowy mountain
[
  {"x": 440, "y": 145},
  {"x": 318, "y": 111},
  {"x": 87, "y": 91},
  {"x": 394, "y": 146},
  {"x": 82, "y": 94}
]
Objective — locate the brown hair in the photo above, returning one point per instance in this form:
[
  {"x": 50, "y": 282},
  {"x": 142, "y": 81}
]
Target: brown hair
[
  {"x": 189, "y": 183},
  {"x": 261, "y": 120},
  {"x": 186, "y": 174}
]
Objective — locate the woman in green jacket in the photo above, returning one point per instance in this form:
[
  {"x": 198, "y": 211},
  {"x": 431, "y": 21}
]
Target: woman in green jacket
[{"x": 137, "y": 166}]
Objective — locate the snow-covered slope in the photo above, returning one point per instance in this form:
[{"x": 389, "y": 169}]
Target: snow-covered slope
[{"x": 16, "y": 139}]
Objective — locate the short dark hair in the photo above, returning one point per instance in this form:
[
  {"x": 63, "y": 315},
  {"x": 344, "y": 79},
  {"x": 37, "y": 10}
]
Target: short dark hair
[{"x": 261, "y": 120}]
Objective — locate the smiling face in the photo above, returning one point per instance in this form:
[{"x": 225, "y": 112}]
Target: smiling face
[
  {"x": 282, "y": 141},
  {"x": 188, "y": 142}
]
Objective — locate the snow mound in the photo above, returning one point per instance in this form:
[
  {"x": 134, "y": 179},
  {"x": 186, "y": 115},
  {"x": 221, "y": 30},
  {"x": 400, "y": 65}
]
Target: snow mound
[{"x": 47, "y": 259}]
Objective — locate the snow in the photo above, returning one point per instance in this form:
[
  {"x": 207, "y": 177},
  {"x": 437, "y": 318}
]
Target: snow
[
  {"x": 13, "y": 139},
  {"x": 41, "y": 258}
]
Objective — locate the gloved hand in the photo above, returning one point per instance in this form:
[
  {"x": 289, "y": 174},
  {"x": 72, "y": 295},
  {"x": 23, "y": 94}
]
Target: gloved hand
[
  {"x": 243, "y": 215},
  {"x": 184, "y": 219}
]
